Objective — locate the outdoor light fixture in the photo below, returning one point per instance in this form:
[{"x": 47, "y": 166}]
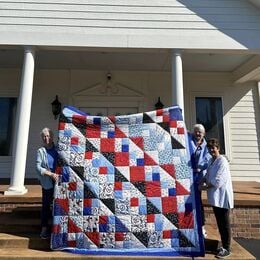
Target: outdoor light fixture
[
  {"x": 159, "y": 104},
  {"x": 56, "y": 107}
]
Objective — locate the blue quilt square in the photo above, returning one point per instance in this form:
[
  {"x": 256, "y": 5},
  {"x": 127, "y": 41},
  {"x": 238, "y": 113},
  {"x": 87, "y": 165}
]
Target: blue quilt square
[
  {"x": 175, "y": 242},
  {"x": 110, "y": 134},
  {"x": 87, "y": 211},
  {"x": 118, "y": 194},
  {"x": 125, "y": 148},
  {"x": 140, "y": 162},
  {"x": 188, "y": 207},
  {"x": 142, "y": 210},
  {"x": 172, "y": 192},
  {"x": 175, "y": 114},
  {"x": 156, "y": 176},
  {"x": 103, "y": 228},
  {"x": 67, "y": 132},
  {"x": 97, "y": 121}
]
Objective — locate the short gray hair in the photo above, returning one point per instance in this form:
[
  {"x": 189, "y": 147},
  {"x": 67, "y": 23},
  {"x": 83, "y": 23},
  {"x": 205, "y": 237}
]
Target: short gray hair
[
  {"x": 199, "y": 127},
  {"x": 45, "y": 130}
]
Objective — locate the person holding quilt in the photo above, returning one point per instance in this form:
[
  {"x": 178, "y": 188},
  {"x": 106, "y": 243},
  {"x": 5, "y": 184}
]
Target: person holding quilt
[
  {"x": 220, "y": 194},
  {"x": 199, "y": 163},
  {"x": 45, "y": 166}
]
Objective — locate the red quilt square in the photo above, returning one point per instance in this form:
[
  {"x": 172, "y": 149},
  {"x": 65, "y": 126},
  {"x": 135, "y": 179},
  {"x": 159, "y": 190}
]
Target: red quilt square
[
  {"x": 72, "y": 243},
  {"x": 93, "y": 131},
  {"x": 107, "y": 145},
  {"x": 72, "y": 186},
  {"x": 56, "y": 228},
  {"x": 78, "y": 119},
  {"x": 74, "y": 140},
  {"x": 186, "y": 220},
  {"x": 103, "y": 170},
  {"x": 180, "y": 131},
  {"x": 159, "y": 112},
  {"x": 119, "y": 236},
  {"x": 118, "y": 185},
  {"x": 137, "y": 173},
  {"x": 87, "y": 203},
  {"x": 167, "y": 234},
  {"x": 173, "y": 123},
  {"x": 150, "y": 218},
  {"x": 166, "y": 118},
  {"x": 134, "y": 202},
  {"x": 62, "y": 125},
  {"x": 169, "y": 205},
  {"x": 103, "y": 219},
  {"x": 153, "y": 189},
  {"x": 122, "y": 159},
  {"x": 88, "y": 155}
]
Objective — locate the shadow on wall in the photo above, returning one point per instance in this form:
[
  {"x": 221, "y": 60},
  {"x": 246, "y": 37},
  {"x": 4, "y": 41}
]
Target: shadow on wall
[{"x": 239, "y": 20}]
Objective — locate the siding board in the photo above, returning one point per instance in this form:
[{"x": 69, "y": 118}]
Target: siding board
[{"x": 141, "y": 21}]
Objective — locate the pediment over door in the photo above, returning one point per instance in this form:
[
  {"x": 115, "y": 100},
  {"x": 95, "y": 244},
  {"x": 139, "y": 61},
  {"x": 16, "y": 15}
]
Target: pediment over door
[{"x": 108, "y": 94}]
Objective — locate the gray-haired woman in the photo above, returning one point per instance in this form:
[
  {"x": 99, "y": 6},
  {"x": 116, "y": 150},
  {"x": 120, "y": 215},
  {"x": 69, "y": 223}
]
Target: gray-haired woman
[{"x": 45, "y": 166}]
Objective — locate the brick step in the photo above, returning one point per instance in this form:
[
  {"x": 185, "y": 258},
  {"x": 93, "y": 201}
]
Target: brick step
[
  {"x": 10, "y": 223},
  {"x": 23, "y": 241}
]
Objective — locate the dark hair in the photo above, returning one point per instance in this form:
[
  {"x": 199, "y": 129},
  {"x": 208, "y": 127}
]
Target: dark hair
[{"x": 213, "y": 142}]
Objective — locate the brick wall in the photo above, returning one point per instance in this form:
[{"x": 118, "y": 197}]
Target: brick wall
[
  {"x": 245, "y": 221},
  {"x": 9, "y": 207}
]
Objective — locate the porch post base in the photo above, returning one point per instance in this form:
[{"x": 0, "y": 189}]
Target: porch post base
[{"x": 16, "y": 191}]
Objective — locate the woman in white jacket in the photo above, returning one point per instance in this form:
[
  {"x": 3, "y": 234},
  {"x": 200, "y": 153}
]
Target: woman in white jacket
[{"x": 220, "y": 194}]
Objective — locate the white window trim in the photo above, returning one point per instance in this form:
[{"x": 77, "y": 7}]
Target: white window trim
[{"x": 227, "y": 138}]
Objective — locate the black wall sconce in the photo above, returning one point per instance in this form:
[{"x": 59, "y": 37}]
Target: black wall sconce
[
  {"x": 159, "y": 104},
  {"x": 56, "y": 107}
]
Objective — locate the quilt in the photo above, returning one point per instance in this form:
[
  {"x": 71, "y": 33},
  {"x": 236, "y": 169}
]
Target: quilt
[{"x": 125, "y": 186}]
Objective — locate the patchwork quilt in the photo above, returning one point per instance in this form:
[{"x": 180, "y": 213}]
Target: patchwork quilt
[{"x": 126, "y": 186}]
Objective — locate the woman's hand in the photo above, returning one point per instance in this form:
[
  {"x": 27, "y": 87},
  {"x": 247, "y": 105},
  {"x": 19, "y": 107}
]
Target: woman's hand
[
  {"x": 203, "y": 186},
  {"x": 55, "y": 177}
]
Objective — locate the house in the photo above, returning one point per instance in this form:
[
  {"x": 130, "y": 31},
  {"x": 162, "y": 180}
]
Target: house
[{"x": 119, "y": 57}]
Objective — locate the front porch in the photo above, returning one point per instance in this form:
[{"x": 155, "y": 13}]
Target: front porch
[{"x": 20, "y": 224}]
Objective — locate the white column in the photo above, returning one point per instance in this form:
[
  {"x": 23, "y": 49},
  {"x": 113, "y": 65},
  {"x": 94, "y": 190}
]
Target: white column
[
  {"x": 22, "y": 126},
  {"x": 177, "y": 80}
]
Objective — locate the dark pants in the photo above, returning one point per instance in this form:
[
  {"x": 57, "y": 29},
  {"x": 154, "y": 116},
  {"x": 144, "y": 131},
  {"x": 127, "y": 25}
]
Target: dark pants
[
  {"x": 47, "y": 198},
  {"x": 202, "y": 214},
  {"x": 223, "y": 222},
  {"x": 199, "y": 199}
]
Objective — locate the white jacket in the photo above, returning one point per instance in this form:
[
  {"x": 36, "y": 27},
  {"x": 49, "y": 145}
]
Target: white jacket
[{"x": 218, "y": 175}]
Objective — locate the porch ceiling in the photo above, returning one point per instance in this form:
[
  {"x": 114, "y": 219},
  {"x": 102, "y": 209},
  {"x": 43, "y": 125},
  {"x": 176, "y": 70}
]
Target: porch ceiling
[{"x": 148, "y": 60}]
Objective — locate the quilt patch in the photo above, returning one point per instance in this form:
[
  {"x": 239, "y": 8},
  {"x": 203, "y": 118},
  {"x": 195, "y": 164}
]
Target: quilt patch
[{"x": 125, "y": 186}]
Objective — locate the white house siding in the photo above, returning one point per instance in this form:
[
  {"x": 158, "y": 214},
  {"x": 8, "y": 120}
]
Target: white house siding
[
  {"x": 241, "y": 136},
  {"x": 215, "y": 24},
  {"x": 244, "y": 118}
]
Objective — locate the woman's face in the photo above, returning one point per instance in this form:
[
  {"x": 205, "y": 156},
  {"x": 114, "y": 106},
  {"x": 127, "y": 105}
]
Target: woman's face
[
  {"x": 214, "y": 151},
  {"x": 47, "y": 138}
]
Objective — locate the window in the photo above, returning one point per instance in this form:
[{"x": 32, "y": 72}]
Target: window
[
  {"x": 7, "y": 119},
  {"x": 209, "y": 113}
]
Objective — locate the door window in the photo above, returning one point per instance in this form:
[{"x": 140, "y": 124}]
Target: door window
[{"x": 209, "y": 113}]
